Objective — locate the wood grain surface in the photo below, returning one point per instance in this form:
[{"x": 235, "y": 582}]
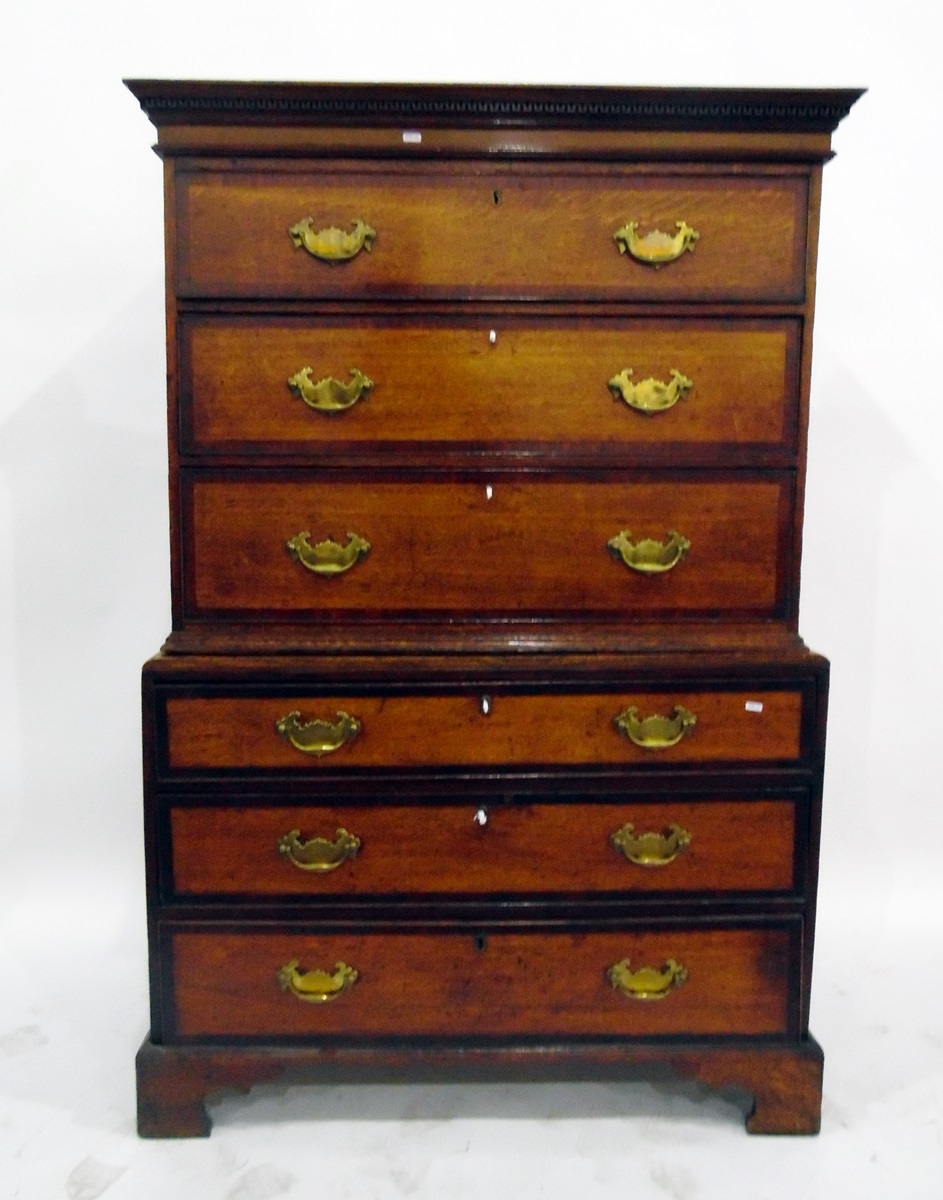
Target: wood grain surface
[
  {"x": 483, "y": 231},
  {"x": 490, "y": 380},
  {"x": 735, "y": 846},
  {"x": 530, "y": 545},
  {"x": 234, "y": 732},
  {"x": 533, "y": 983}
]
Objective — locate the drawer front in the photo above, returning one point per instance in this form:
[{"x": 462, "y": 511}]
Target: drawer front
[
  {"x": 482, "y": 548},
  {"x": 478, "y": 233},
  {"x": 497, "y": 380},
  {"x": 223, "y": 733},
  {"x": 737, "y": 981},
  {"x": 706, "y": 846}
]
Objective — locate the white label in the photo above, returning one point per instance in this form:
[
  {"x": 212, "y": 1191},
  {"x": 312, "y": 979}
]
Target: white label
[
  {"x": 754, "y": 706},
  {"x": 412, "y": 136}
]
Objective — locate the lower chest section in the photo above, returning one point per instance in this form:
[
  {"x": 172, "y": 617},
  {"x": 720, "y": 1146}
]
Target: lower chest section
[{"x": 497, "y": 849}]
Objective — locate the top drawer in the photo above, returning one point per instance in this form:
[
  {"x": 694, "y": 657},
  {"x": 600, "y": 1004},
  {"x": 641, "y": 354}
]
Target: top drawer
[{"x": 477, "y": 232}]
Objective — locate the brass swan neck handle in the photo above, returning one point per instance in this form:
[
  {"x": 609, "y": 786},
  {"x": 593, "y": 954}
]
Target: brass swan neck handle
[
  {"x": 318, "y": 854},
  {"x": 656, "y": 732},
  {"x": 318, "y": 737},
  {"x": 329, "y": 395},
  {"x": 655, "y": 248},
  {"x": 327, "y": 558},
  {"x": 318, "y": 986},
  {"x": 649, "y": 396},
  {"x": 650, "y": 849},
  {"x": 647, "y": 983},
  {"x": 332, "y": 245},
  {"x": 649, "y": 557}
]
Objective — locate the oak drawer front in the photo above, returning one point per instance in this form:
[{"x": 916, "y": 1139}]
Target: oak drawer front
[
  {"x": 485, "y": 549},
  {"x": 480, "y": 233},
  {"x": 705, "y": 846},
  {"x": 735, "y": 981},
  {"x": 225, "y": 732},
  {"x": 289, "y": 385}
]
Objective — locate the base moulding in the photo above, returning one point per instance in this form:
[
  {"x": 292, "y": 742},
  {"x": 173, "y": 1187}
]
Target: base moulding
[{"x": 783, "y": 1080}]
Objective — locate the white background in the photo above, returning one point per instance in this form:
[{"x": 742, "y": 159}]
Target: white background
[{"x": 84, "y": 600}]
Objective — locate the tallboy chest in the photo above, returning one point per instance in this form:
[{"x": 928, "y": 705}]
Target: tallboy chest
[{"x": 484, "y": 726}]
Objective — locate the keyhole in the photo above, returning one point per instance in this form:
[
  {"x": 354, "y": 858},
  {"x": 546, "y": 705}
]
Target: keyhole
[
  {"x": 496, "y": 196},
  {"x": 480, "y": 941}
]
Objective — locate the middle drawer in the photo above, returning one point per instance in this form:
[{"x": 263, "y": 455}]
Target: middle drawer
[
  {"x": 476, "y": 847},
  {"x": 302, "y": 546},
  {"x": 296, "y": 386}
]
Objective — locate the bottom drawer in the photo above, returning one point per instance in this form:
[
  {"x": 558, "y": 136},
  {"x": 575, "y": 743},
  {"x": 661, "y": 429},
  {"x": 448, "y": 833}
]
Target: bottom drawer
[{"x": 667, "y": 981}]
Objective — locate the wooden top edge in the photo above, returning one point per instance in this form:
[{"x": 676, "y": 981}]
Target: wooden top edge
[
  {"x": 517, "y": 641},
  {"x": 759, "y": 110},
  {"x": 463, "y": 669}
]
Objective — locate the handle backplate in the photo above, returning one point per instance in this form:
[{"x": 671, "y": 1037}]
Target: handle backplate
[
  {"x": 318, "y": 854},
  {"x": 328, "y": 558},
  {"x": 318, "y": 986},
  {"x": 318, "y": 737},
  {"x": 329, "y": 395},
  {"x": 656, "y": 732},
  {"x": 655, "y": 248},
  {"x": 650, "y": 396},
  {"x": 647, "y": 983},
  {"x": 332, "y": 245},
  {"x": 650, "y": 849},
  {"x": 648, "y": 556}
]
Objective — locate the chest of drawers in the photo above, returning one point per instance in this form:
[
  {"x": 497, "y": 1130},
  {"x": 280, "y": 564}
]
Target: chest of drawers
[{"x": 484, "y": 744}]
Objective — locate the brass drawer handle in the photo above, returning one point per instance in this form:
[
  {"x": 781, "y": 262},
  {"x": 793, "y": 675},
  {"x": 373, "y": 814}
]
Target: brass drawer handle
[
  {"x": 649, "y": 395},
  {"x": 328, "y": 558},
  {"x": 648, "y": 556},
  {"x": 650, "y": 849},
  {"x": 332, "y": 245},
  {"x": 655, "y": 732},
  {"x": 318, "y": 854},
  {"x": 318, "y": 737},
  {"x": 316, "y": 987},
  {"x": 329, "y": 395},
  {"x": 647, "y": 983},
  {"x": 656, "y": 248}
]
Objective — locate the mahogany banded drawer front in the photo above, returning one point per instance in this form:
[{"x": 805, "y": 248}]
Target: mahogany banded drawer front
[
  {"x": 672, "y": 981},
  {"x": 484, "y": 233},
  {"x": 307, "y": 545},
  {"x": 315, "y": 851},
  {"x": 321, "y": 733},
  {"x": 292, "y": 385},
  {"x": 484, "y": 733}
]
